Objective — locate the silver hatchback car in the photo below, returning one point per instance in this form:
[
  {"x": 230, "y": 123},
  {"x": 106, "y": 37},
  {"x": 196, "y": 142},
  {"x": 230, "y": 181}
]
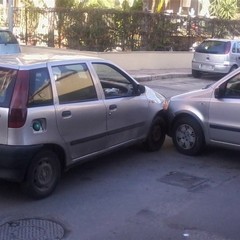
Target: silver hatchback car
[
  {"x": 219, "y": 56},
  {"x": 207, "y": 116},
  {"x": 59, "y": 110}
]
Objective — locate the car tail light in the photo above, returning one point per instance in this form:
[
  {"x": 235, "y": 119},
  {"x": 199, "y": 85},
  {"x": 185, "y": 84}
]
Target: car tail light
[
  {"x": 18, "y": 106},
  {"x": 227, "y": 47}
]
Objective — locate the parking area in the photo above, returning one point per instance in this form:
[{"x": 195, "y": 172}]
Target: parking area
[{"x": 133, "y": 194}]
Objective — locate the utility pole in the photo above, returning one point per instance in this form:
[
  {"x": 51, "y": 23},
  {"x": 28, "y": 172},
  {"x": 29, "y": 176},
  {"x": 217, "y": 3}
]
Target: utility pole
[{"x": 10, "y": 15}]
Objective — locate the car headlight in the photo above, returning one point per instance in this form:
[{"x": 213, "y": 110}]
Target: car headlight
[{"x": 165, "y": 104}]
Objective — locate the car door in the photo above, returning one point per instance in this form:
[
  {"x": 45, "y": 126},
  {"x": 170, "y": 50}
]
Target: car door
[
  {"x": 81, "y": 116},
  {"x": 127, "y": 112},
  {"x": 224, "y": 113}
]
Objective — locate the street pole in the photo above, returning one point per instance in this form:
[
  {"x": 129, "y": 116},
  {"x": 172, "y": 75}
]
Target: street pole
[{"x": 10, "y": 15}]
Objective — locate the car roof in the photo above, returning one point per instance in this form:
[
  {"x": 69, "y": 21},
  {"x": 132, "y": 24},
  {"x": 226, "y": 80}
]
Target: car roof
[{"x": 30, "y": 59}]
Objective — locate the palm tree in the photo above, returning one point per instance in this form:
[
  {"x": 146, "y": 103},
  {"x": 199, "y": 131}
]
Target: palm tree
[{"x": 224, "y": 9}]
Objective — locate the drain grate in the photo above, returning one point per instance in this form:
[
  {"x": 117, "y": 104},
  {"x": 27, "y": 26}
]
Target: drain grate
[
  {"x": 31, "y": 229},
  {"x": 182, "y": 180}
]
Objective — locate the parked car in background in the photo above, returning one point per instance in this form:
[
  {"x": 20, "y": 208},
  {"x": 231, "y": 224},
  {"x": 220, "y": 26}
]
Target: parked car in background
[
  {"x": 59, "y": 110},
  {"x": 207, "y": 116},
  {"x": 219, "y": 56},
  {"x": 8, "y": 43}
]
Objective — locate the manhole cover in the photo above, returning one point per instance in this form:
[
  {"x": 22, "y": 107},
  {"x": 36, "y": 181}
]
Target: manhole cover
[
  {"x": 31, "y": 229},
  {"x": 182, "y": 180}
]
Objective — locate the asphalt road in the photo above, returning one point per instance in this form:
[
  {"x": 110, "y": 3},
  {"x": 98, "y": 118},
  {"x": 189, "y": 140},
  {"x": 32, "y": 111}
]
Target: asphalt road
[{"x": 135, "y": 195}]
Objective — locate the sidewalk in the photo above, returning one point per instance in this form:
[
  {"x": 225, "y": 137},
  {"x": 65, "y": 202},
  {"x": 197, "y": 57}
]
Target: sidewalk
[{"x": 157, "y": 74}]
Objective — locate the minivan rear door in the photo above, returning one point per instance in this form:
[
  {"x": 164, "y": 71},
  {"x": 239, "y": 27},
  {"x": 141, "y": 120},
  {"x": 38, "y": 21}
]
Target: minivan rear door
[{"x": 212, "y": 52}]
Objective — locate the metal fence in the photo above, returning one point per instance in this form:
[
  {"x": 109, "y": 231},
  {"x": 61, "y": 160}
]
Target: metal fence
[{"x": 110, "y": 30}]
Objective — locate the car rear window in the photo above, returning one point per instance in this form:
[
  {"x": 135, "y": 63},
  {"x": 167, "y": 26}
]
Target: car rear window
[
  {"x": 214, "y": 47},
  {"x": 7, "y": 37},
  {"x": 40, "y": 89},
  {"x": 7, "y": 80}
]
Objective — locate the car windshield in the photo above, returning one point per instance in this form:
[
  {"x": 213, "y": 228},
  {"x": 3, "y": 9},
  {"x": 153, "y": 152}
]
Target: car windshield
[
  {"x": 214, "y": 46},
  {"x": 7, "y": 79}
]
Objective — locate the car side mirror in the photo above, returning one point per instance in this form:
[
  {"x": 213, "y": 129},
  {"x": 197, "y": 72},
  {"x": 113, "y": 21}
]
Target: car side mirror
[
  {"x": 140, "y": 89},
  {"x": 219, "y": 92}
]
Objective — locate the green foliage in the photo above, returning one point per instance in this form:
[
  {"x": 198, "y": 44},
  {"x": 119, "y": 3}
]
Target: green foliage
[
  {"x": 98, "y": 3},
  {"x": 88, "y": 30},
  {"x": 64, "y": 3},
  {"x": 137, "y": 5},
  {"x": 28, "y": 3},
  {"x": 223, "y": 9},
  {"x": 125, "y": 5},
  {"x": 106, "y": 29}
]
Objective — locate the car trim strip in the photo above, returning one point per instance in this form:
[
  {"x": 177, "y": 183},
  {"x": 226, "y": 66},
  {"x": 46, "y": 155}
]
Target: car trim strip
[
  {"x": 220, "y": 127},
  {"x": 101, "y": 135}
]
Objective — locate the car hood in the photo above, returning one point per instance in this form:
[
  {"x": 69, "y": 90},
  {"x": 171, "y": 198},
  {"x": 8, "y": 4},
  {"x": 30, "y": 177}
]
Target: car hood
[{"x": 197, "y": 94}]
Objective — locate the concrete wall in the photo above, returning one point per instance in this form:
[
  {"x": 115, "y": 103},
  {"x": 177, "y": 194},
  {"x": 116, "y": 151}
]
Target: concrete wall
[{"x": 131, "y": 60}]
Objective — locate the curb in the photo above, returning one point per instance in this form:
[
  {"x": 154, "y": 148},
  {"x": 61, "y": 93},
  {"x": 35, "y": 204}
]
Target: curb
[{"x": 145, "y": 78}]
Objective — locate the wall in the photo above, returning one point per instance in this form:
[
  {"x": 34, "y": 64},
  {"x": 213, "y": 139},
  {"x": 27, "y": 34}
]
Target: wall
[{"x": 130, "y": 60}]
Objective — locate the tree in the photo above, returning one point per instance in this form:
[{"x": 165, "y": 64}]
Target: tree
[
  {"x": 153, "y": 5},
  {"x": 137, "y": 5},
  {"x": 97, "y": 3},
  {"x": 223, "y": 9},
  {"x": 64, "y": 3}
]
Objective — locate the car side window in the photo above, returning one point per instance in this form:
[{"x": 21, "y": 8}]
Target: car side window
[
  {"x": 115, "y": 83},
  {"x": 236, "y": 47},
  {"x": 74, "y": 83},
  {"x": 232, "y": 89},
  {"x": 40, "y": 90}
]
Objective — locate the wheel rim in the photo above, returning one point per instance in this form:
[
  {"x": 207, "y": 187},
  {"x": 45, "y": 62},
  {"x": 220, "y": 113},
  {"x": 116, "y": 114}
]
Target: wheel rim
[
  {"x": 156, "y": 133},
  {"x": 185, "y": 136},
  {"x": 44, "y": 175}
]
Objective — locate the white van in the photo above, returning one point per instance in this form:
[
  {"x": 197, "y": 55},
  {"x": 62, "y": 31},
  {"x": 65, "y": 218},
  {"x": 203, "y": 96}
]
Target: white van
[{"x": 216, "y": 56}]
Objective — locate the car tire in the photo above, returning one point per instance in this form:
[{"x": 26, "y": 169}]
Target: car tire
[
  {"x": 196, "y": 73},
  {"x": 156, "y": 135},
  {"x": 42, "y": 175},
  {"x": 188, "y": 136}
]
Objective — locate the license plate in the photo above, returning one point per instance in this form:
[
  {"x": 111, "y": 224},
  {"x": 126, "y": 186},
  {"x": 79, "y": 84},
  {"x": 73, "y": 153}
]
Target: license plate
[{"x": 206, "y": 67}]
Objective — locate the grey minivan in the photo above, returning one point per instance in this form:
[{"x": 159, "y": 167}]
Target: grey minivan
[
  {"x": 60, "y": 110},
  {"x": 207, "y": 116},
  {"x": 219, "y": 56}
]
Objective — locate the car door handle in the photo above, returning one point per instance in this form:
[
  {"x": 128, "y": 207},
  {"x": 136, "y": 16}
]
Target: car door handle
[
  {"x": 112, "y": 107},
  {"x": 66, "y": 114}
]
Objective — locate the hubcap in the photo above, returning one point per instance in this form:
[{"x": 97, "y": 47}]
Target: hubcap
[
  {"x": 185, "y": 136},
  {"x": 43, "y": 174}
]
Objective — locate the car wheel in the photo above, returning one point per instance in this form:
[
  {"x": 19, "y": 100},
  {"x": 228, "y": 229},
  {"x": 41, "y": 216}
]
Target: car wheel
[
  {"x": 188, "y": 136},
  {"x": 42, "y": 175},
  {"x": 196, "y": 74},
  {"x": 156, "y": 135}
]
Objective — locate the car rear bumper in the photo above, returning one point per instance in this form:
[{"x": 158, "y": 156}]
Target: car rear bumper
[
  {"x": 14, "y": 161},
  {"x": 211, "y": 68}
]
